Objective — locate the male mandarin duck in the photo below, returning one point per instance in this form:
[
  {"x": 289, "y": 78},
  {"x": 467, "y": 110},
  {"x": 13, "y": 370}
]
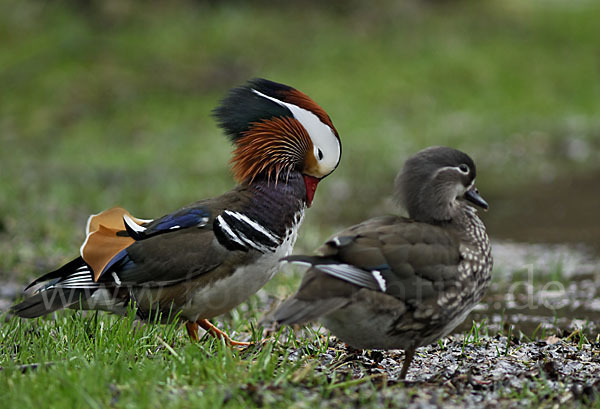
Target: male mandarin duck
[
  {"x": 399, "y": 283},
  {"x": 206, "y": 258}
]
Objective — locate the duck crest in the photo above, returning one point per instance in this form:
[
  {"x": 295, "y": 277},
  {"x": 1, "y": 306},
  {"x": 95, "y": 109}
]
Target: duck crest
[
  {"x": 277, "y": 129},
  {"x": 243, "y": 107}
]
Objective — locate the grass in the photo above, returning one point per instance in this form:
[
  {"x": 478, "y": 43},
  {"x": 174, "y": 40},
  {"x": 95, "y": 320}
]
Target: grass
[
  {"x": 99, "y": 361},
  {"x": 108, "y": 103},
  {"x": 111, "y": 104},
  {"x": 476, "y": 333}
]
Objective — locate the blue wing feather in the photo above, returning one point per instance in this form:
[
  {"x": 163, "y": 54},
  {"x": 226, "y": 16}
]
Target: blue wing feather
[
  {"x": 193, "y": 217},
  {"x": 196, "y": 217},
  {"x": 119, "y": 257}
]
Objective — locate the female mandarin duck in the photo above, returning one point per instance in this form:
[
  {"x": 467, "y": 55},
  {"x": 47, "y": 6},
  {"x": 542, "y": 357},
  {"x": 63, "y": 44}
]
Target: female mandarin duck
[
  {"x": 400, "y": 283},
  {"x": 206, "y": 258}
]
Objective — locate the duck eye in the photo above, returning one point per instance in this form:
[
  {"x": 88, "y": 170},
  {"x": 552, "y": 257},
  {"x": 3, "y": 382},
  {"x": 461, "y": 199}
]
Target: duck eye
[
  {"x": 319, "y": 154},
  {"x": 464, "y": 169}
]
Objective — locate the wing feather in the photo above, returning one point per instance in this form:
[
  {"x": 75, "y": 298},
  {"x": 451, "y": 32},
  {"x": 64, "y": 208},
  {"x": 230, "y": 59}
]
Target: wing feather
[{"x": 388, "y": 254}]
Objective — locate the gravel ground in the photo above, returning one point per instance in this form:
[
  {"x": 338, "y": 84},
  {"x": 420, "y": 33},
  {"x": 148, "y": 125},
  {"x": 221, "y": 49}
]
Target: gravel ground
[{"x": 495, "y": 372}]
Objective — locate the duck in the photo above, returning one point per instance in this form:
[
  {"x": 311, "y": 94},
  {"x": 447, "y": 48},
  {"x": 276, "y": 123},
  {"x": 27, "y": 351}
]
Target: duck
[
  {"x": 394, "y": 282},
  {"x": 206, "y": 258}
]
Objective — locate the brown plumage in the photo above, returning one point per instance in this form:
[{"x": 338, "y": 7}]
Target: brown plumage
[{"x": 399, "y": 283}]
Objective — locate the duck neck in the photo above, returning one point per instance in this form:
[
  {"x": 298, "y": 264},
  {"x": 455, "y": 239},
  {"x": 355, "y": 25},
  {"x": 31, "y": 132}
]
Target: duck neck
[
  {"x": 468, "y": 225},
  {"x": 276, "y": 205}
]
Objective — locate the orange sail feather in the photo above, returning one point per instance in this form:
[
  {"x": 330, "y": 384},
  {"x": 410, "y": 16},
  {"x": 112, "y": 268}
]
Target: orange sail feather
[{"x": 102, "y": 242}]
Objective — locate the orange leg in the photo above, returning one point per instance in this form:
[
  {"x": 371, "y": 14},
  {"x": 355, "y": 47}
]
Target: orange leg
[
  {"x": 217, "y": 333},
  {"x": 192, "y": 330}
]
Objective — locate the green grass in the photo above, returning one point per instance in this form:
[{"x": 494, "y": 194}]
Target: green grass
[
  {"x": 109, "y": 104},
  {"x": 99, "y": 360},
  {"x": 103, "y": 361}
]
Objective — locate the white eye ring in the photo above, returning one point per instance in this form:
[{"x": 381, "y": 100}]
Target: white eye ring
[
  {"x": 318, "y": 153},
  {"x": 463, "y": 168}
]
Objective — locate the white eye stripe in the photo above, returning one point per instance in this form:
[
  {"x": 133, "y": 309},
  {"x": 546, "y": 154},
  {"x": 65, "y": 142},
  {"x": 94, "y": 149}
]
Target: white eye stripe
[
  {"x": 321, "y": 134},
  {"x": 456, "y": 168}
]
